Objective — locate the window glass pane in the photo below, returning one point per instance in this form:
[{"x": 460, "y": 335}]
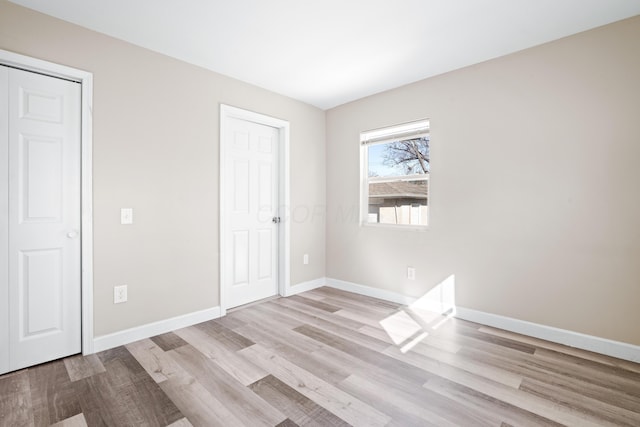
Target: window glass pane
[
  {"x": 398, "y": 202},
  {"x": 398, "y": 158}
]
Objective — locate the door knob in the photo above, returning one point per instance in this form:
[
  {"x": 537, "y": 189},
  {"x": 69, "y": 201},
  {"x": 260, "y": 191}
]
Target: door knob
[{"x": 72, "y": 234}]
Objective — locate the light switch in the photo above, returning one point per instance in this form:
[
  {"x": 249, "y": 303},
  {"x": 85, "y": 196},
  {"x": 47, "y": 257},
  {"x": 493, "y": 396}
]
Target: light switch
[{"x": 126, "y": 216}]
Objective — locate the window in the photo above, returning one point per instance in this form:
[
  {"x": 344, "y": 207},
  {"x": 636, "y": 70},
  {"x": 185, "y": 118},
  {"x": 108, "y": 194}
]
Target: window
[{"x": 395, "y": 175}]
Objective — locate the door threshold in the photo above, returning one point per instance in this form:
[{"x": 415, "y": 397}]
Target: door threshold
[{"x": 249, "y": 304}]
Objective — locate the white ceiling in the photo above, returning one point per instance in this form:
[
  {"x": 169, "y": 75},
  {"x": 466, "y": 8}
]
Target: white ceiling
[{"x": 329, "y": 52}]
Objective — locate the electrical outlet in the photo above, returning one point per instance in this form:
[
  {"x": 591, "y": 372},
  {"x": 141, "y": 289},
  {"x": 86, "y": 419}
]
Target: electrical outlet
[
  {"x": 126, "y": 216},
  {"x": 305, "y": 259},
  {"x": 119, "y": 294},
  {"x": 411, "y": 273}
]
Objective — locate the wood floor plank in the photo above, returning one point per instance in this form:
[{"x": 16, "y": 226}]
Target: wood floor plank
[
  {"x": 439, "y": 410},
  {"x": 345, "y": 406},
  {"x": 609, "y": 412},
  {"x": 357, "y": 306},
  {"x": 517, "y": 398},
  {"x": 367, "y": 302},
  {"x": 297, "y": 407},
  {"x": 630, "y": 380},
  {"x": 313, "y": 295},
  {"x": 243, "y": 403},
  {"x": 230, "y": 322},
  {"x": 571, "y": 376},
  {"x": 490, "y": 407},
  {"x": 125, "y": 394},
  {"x": 53, "y": 396},
  {"x": 379, "y": 334},
  {"x": 401, "y": 412},
  {"x": 168, "y": 341},
  {"x": 430, "y": 340},
  {"x": 200, "y": 407},
  {"x": 571, "y": 351},
  {"x": 321, "y": 314},
  {"x": 355, "y": 298},
  {"x": 283, "y": 340},
  {"x": 233, "y": 364},
  {"x": 99, "y": 401},
  {"x": 321, "y": 305},
  {"x": 80, "y": 366},
  {"x": 467, "y": 337},
  {"x": 154, "y": 360},
  {"x": 435, "y": 341},
  {"x": 121, "y": 357},
  {"x": 485, "y": 384},
  {"x": 227, "y": 337},
  {"x": 298, "y": 351},
  {"x": 351, "y": 364},
  {"x": 260, "y": 315},
  {"x": 357, "y": 317},
  {"x": 382, "y": 361},
  {"x": 505, "y": 342},
  {"x": 16, "y": 408},
  {"x": 431, "y": 359},
  {"x": 334, "y": 325},
  {"x": 587, "y": 390}
]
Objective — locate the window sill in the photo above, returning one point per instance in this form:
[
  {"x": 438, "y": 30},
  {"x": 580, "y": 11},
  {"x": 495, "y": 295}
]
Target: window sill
[{"x": 396, "y": 226}]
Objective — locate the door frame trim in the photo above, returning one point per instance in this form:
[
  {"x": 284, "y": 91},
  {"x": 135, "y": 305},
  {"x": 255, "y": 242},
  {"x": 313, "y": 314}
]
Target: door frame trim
[
  {"x": 284, "y": 230},
  {"x": 85, "y": 79}
]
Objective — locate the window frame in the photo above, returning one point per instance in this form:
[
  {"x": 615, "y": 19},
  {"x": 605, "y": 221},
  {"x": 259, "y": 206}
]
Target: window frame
[{"x": 401, "y": 132}]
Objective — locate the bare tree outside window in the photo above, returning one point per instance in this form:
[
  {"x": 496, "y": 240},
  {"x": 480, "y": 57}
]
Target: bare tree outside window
[{"x": 411, "y": 154}]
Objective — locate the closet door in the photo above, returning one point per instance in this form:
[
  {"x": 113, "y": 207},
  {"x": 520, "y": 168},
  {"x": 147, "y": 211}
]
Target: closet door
[{"x": 44, "y": 218}]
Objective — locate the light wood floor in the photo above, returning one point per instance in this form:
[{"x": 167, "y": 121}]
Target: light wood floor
[{"x": 328, "y": 358}]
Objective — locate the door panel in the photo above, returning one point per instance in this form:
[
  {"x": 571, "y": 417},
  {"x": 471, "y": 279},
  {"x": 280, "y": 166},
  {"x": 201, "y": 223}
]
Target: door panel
[
  {"x": 265, "y": 181},
  {"x": 40, "y": 291},
  {"x": 40, "y": 175},
  {"x": 265, "y": 255},
  {"x": 240, "y": 258},
  {"x": 241, "y": 186},
  {"x": 44, "y": 218},
  {"x": 251, "y": 203},
  {"x": 40, "y": 106}
]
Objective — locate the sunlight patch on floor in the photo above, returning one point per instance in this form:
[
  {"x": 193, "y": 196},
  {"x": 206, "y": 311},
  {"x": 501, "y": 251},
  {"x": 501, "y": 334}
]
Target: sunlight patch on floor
[
  {"x": 400, "y": 327},
  {"x": 412, "y": 324}
]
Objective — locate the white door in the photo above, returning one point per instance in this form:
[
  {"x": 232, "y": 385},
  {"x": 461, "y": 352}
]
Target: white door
[
  {"x": 251, "y": 204},
  {"x": 40, "y": 151}
]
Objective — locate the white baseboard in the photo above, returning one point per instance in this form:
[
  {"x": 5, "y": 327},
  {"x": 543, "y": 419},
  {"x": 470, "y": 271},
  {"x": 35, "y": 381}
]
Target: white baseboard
[
  {"x": 369, "y": 291},
  {"x": 116, "y": 339},
  {"x": 561, "y": 336},
  {"x": 305, "y": 286},
  {"x": 604, "y": 346}
]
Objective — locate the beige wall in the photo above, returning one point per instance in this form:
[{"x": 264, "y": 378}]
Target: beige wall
[
  {"x": 535, "y": 192},
  {"x": 156, "y": 150}
]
